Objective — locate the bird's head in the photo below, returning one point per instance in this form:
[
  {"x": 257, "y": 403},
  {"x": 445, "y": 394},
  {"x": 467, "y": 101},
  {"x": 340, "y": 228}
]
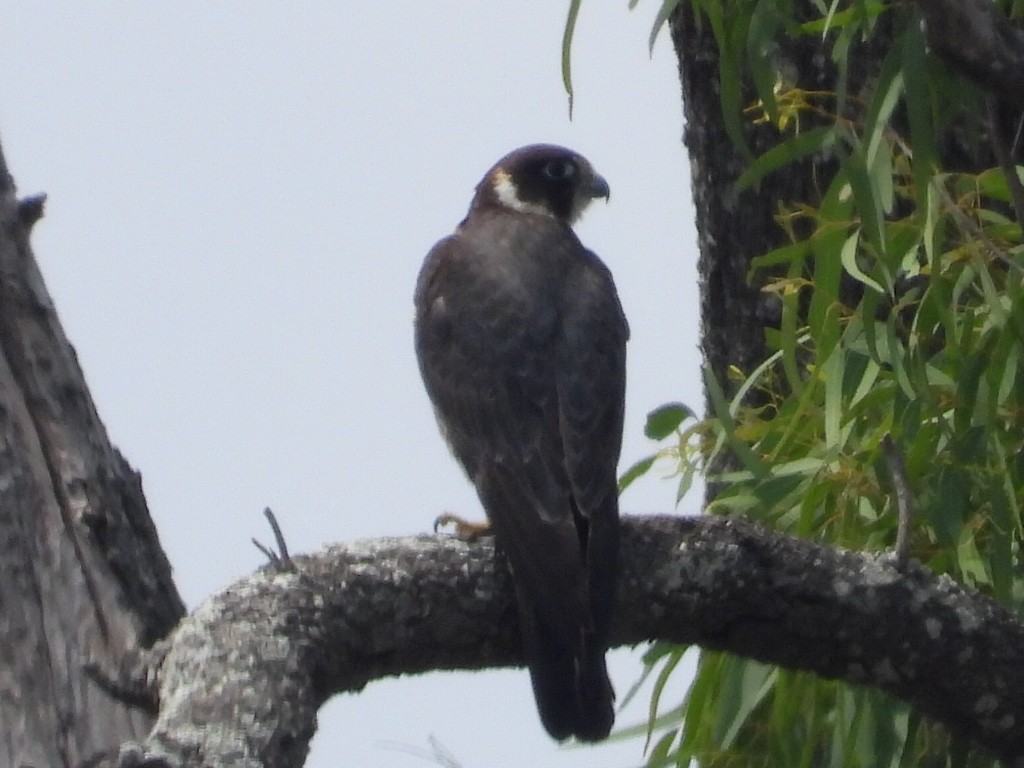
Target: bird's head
[{"x": 542, "y": 179}]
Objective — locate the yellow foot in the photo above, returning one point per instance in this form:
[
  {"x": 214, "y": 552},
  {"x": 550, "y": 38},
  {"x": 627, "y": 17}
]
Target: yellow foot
[{"x": 464, "y": 530}]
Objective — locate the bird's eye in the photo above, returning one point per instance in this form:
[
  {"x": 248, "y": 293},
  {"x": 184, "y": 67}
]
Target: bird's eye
[{"x": 559, "y": 170}]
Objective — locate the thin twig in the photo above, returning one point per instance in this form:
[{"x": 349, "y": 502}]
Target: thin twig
[
  {"x": 134, "y": 680},
  {"x": 130, "y": 693},
  {"x": 280, "y": 560},
  {"x": 970, "y": 229},
  {"x": 904, "y": 500},
  {"x": 1001, "y": 147},
  {"x": 438, "y": 752}
]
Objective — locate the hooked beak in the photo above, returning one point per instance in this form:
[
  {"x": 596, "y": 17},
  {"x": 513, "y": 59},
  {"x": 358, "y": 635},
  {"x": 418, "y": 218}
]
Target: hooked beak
[{"x": 598, "y": 187}]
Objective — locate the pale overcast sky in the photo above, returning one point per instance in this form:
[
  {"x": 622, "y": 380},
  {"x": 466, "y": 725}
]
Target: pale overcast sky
[{"x": 240, "y": 197}]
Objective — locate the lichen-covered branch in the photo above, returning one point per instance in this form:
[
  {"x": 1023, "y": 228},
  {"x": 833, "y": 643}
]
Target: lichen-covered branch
[{"x": 244, "y": 676}]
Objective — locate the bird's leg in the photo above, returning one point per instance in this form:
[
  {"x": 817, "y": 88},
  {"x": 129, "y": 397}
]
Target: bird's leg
[{"x": 464, "y": 529}]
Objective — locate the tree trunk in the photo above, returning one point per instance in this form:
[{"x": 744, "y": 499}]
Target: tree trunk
[
  {"x": 735, "y": 227},
  {"x": 84, "y": 578},
  {"x": 974, "y": 39}
]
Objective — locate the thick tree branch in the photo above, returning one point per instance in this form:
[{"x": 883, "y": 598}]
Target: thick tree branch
[
  {"x": 977, "y": 40},
  {"x": 245, "y": 674}
]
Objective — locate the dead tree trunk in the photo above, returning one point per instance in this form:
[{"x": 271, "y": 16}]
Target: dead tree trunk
[{"x": 82, "y": 575}]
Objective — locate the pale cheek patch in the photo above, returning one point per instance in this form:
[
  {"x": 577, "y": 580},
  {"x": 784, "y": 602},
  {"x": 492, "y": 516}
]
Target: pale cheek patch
[
  {"x": 579, "y": 204},
  {"x": 508, "y": 196}
]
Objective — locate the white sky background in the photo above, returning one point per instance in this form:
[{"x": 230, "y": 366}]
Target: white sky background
[{"x": 240, "y": 197}]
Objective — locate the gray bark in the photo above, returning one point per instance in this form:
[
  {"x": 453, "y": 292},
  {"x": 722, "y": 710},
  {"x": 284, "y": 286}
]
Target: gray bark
[{"x": 83, "y": 576}]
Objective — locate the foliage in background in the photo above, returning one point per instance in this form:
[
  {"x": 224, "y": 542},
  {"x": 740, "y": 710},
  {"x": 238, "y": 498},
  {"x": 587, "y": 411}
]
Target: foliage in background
[
  {"x": 667, "y": 7},
  {"x": 903, "y": 315}
]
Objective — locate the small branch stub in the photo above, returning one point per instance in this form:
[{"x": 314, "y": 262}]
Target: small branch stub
[{"x": 280, "y": 561}]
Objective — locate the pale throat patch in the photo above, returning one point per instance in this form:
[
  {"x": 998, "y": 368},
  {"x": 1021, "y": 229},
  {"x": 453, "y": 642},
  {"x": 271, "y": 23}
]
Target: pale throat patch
[{"x": 508, "y": 195}]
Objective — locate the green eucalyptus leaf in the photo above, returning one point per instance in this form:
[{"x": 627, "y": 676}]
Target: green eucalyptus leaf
[{"x": 665, "y": 419}]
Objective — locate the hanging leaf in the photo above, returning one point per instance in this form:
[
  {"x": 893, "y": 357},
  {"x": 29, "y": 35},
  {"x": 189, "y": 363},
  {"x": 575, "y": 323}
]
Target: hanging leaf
[{"x": 567, "y": 35}]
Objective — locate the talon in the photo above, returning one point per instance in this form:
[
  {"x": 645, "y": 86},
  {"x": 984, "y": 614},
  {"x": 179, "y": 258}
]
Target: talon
[{"x": 464, "y": 530}]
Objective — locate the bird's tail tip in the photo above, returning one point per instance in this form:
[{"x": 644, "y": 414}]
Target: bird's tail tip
[{"x": 573, "y": 698}]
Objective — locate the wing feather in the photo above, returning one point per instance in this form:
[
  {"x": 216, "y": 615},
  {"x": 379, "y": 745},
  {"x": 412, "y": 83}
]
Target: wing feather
[{"x": 591, "y": 394}]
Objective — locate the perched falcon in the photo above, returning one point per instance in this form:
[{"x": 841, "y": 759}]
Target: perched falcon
[{"x": 521, "y": 341}]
